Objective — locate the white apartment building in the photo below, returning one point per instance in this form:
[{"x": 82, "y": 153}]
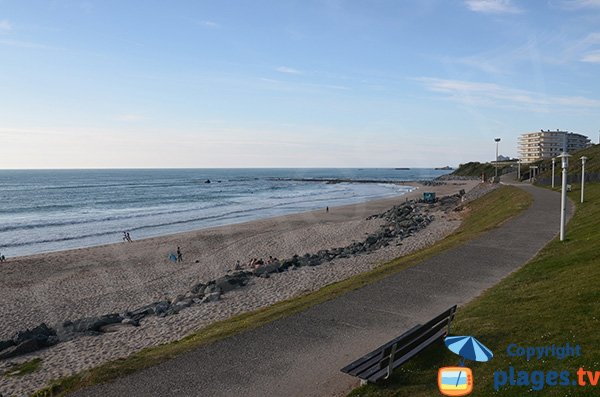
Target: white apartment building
[{"x": 534, "y": 146}]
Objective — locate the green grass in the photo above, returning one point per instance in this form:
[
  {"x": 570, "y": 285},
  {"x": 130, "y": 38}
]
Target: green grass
[
  {"x": 475, "y": 168},
  {"x": 483, "y": 214},
  {"x": 24, "y": 368},
  {"x": 554, "y": 299},
  {"x": 592, "y": 164}
]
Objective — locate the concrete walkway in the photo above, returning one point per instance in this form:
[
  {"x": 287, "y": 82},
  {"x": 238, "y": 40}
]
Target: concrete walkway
[{"x": 301, "y": 355}]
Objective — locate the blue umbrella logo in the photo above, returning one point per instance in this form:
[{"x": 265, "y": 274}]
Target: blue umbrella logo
[{"x": 468, "y": 348}]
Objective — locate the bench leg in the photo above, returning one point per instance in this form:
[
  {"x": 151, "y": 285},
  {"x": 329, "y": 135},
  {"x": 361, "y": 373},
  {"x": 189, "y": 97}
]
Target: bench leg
[{"x": 391, "y": 364}]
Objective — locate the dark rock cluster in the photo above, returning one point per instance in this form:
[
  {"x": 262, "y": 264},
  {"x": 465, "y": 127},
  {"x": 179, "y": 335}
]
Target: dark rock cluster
[
  {"x": 28, "y": 341},
  {"x": 401, "y": 221}
]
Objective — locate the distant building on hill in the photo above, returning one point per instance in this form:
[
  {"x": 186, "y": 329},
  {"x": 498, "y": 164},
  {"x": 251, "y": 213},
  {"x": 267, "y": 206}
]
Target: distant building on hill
[{"x": 534, "y": 146}]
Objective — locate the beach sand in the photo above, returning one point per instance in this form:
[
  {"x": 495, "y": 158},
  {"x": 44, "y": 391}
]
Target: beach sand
[{"x": 85, "y": 282}]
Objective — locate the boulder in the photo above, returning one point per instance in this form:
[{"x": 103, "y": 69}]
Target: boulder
[
  {"x": 266, "y": 269},
  {"x": 177, "y": 299},
  {"x": 211, "y": 288},
  {"x": 41, "y": 333},
  {"x": 232, "y": 281},
  {"x": 5, "y": 344},
  {"x": 26, "y": 346},
  {"x": 130, "y": 321},
  {"x": 198, "y": 288},
  {"x": 212, "y": 297},
  {"x": 91, "y": 324},
  {"x": 115, "y": 327},
  {"x": 184, "y": 303}
]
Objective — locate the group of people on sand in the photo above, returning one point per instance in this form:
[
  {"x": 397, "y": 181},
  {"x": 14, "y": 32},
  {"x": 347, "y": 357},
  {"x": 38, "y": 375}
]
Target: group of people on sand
[
  {"x": 255, "y": 263},
  {"x": 127, "y": 237}
]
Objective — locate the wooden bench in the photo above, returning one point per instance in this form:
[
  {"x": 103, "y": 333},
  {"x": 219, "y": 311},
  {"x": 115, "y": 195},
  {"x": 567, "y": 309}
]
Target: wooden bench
[{"x": 380, "y": 363}]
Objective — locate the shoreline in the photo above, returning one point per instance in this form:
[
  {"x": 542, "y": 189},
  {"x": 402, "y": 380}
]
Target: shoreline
[
  {"x": 85, "y": 282},
  {"x": 413, "y": 185}
]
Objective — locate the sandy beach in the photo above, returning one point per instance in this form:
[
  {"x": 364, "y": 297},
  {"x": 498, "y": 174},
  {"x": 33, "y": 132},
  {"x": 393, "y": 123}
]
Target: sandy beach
[{"x": 86, "y": 282}]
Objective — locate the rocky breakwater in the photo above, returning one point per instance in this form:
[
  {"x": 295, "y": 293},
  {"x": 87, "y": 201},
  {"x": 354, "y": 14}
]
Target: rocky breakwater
[{"x": 401, "y": 221}]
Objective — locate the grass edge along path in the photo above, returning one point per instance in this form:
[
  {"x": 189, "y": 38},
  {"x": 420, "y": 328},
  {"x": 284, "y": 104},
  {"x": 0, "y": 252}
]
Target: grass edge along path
[
  {"x": 551, "y": 300},
  {"x": 482, "y": 214}
]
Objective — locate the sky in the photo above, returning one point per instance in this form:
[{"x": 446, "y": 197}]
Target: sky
[{"x": 290, "y": 83}]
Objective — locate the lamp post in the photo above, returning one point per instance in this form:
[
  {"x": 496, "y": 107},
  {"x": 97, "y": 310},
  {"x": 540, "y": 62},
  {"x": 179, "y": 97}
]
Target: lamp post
[
  {"x": 497, "y": 140},
  {"x": 553, "y": 162},
  {"x": 583, "y": 158},
  {"x": 563, "y": 197},
  {"x": 519, "y": 170}
]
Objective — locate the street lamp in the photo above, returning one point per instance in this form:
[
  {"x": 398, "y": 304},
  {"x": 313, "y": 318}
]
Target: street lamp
[
  {"x": 497, "y": 140},
  {"x": 583, "y": 158},
  {"x": 553, "y": 161},
  {"x": 563, "y": 197},
  {"x": 519, "y": 170}
]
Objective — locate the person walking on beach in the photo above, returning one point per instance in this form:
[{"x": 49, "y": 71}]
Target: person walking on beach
[
  {"x": 128, "y": 237},
  {"x": 327, "y": 209},
  {"x": 2, "y": 258},
  {"x": 179, "y": 255}
]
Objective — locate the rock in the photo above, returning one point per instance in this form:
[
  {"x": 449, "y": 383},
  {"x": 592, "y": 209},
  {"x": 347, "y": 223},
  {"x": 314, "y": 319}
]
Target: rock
[
  {"x": 314, "y": 262},
  {"x": 404, "y": 224},
  {"x": 184, "y": 303},
  {"x": 198, "y": 288},
  {"x": 232, "y": 281},
  {"x": 5, "y": 344},
  {"x": 178, "y": 299},
  {"x": 91, "y": 324},
  {"x": 211, "y": 288},
  {"x": 130, "y": 321},
  {"x": 212, "y": 297},
  {"x": 26, "y": 346},
  {"x": 161, "y": 307},
  {"x": 115, "y": 327},
  {"x": 266, "y": 269},
  {"x": 286, "y": 264},
  {"x": 41, "y": 333}
]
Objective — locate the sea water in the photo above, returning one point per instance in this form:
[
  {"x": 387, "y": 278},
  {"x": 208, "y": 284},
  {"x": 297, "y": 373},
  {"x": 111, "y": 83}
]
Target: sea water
[{"x": 51, "y": 210}]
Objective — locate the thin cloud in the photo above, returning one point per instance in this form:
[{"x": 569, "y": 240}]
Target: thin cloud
[
  {"x": 285, "y": 69},
  {"x": 26, "y": 44},
  {"x": 5, "y": 25},
  {"x": 209, "y": 24},
  {"x": 592, "y": 57},
  {"x": 580, "y": 4},
  {"x": 493, "y": 6},
  {"x": 490, "y": 94}
]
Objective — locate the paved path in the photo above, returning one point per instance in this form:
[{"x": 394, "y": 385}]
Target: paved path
[{"x": 301, "y": 355}]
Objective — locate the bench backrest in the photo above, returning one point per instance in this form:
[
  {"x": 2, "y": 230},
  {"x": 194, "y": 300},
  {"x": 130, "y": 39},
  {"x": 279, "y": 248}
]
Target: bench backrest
[{"x": 380, "y": 362}]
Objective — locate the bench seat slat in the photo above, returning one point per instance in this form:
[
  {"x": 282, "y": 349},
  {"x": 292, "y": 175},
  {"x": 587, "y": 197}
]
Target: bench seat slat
[
  {"x": 409, "y": 345},
  {"x": 374, "y": 357},
  {"x": 374, "y": 365},
  {"x": 382, "y": 372}
]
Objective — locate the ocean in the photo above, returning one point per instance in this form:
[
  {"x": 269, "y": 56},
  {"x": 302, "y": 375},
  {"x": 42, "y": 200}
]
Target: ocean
[{"x": 53, "y": 210}]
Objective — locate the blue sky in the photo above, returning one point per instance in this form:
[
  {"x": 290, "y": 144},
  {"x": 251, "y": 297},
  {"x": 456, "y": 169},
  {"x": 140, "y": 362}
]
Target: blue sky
[{"x": 284, "y": 83}]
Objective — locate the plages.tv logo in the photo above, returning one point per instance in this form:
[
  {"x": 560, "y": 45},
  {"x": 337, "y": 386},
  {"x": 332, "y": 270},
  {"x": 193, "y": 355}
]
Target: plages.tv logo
[
  {"x": 455, "y": 381},
  {"x": 458, "y": 381}
]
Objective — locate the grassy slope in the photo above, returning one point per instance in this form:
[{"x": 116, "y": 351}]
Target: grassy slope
[
  {"x": 554, "y": 299},
  {"x": 592, "y": 164},
  {"x": 484, "y": 213},
  {"x": 476, "y": 169}
]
